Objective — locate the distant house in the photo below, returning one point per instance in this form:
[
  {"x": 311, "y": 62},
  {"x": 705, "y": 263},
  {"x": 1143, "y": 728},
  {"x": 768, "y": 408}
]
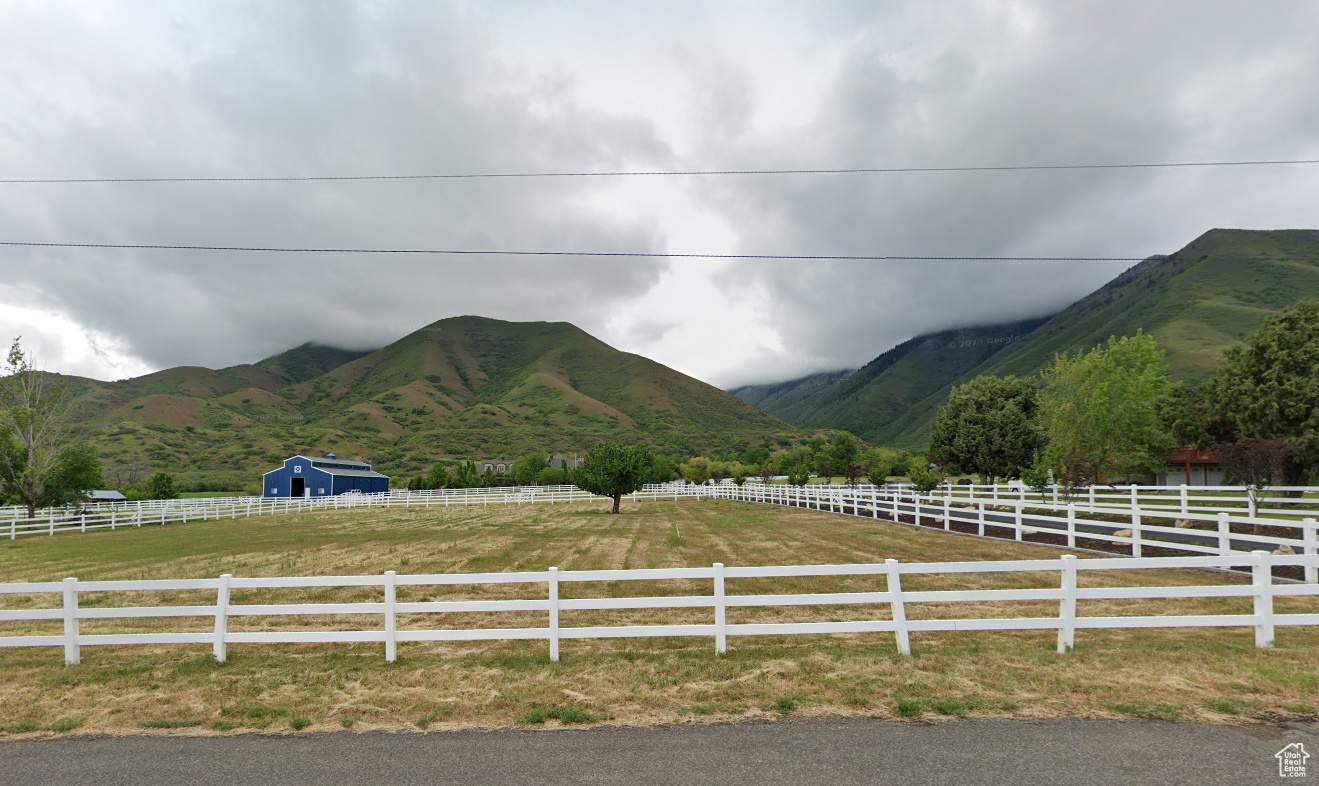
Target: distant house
[
  {"x": 322, "y": 476},
  {"x": 105, "y": 496},
  {"x": 1192, "y": 467},
  {"x": 502, "y": 467}
]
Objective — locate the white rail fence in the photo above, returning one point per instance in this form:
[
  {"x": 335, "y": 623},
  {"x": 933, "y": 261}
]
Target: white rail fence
[
  {"x": 900, "y": 603},
  {"x": 1221, "y": 533}
]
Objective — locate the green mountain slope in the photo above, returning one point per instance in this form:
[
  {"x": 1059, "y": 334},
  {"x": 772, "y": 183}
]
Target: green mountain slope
[
  {"x": 465, "y": 387},
  {"x": 865, "y": 401},
  {"x": 1196, "y": 303},
  {"x": 780, "y": 397}
]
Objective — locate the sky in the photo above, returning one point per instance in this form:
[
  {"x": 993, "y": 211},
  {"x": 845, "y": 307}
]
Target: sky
[{"x": 267, "y": 89}]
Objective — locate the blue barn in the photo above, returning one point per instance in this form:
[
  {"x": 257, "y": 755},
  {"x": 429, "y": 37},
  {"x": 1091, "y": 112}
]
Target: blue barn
[{"x": 322, "y": 476}]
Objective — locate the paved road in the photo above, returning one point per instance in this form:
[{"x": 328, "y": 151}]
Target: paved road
[{"x": 984, "y": 753}]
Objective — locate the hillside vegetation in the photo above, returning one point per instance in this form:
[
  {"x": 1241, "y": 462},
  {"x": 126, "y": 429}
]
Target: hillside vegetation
[
  {"x": 460, "y": 388},
  {"x": 1196, "y": 303}
]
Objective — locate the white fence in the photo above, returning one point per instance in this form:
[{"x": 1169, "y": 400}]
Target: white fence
[
  {"x": 1262, "y": 590},
  {"x": 1199, "y": 532}
]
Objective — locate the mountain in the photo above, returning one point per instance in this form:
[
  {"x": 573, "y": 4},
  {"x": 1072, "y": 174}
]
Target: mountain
[
  {"x": 780, "y": 397},
  {"x": 461, "y": 388},
  {"x": 865, "y": 401},
  {"x": 1196, "y": 302}
]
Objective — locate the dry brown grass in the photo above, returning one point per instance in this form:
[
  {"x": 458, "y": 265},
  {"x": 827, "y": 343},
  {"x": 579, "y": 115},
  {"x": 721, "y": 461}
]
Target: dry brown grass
[{"x": 1214, "y": 675}]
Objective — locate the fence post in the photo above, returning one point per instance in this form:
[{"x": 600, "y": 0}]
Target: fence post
[
  {"x": 1135, "y": 532},
  {"x": 219, "y": 649},
  {"x": 899, "y": 607},
  {"x": 554, "y": 614},
  {"x": 391, "y": 620},
  {"x": 1055, "y": 493},
  {"x": 980, "y": 518},
  {"x": 72, "y": 657},
  {"x": 1311, "y": 548},
  {"x": 1017, "y": 520},
  {"x": 1135, "y": 499},
  {"x": 1185, "y": 500},
  {"x": 947, "y": 511},
  {"x": 720, "y": 611},
  {"x": 1071, "y": 525},
  {"x": 1224, "y": 535},
  {"x": 1262, "y": 580},
  {"x": 1067, "y": 606}
]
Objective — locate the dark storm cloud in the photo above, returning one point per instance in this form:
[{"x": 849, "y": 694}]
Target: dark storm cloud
[
  {"x": 1021, "y": 83},
  {"x": 298, "y": 89},
  {"x": 325, "y": 88}
]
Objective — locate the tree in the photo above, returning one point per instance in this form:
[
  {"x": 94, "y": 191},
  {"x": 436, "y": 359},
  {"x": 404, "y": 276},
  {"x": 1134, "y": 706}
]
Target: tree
[
  {"x": 824, "y": 462},
  {"x": 34, "y": 423},
  {"x": 843, "y": 452},
  {"x": 162, "y": 486},
  {"x": 990, "y": 426},
  {"x": 465, "y": 476},
  {"x": 766, "y": 472},
  {"x": 1099, "y": 410},
  {"x": 923, "y": 479},
  {"x": 877, "y": 466},
  {"x": 551, "y": 476},
  {"x": 798, "y": 474},
  {"x": 1268, "y": 388},
  {"x": 1255, "y": 463},
  {"x": 488, "y": 480},
  {"x": 437, "y": 478},
  {"x": 527, "y": 466},
  {"x": 612, "y": 470}
]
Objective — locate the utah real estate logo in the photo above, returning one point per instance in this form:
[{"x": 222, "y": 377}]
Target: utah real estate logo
[{"x": 1291, "y": 761}]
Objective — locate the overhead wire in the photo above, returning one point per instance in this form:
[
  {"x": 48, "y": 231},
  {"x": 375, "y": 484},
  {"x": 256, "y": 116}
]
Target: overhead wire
[
  {"x": 516, "y": 253},
  {"x": 656, "y": 173}
]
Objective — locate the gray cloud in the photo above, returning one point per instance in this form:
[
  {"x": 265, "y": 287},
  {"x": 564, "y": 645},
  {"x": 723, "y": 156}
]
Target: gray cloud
[
  {"x": 1022, "y": 83},
  {"x": 341, "y": 88}
]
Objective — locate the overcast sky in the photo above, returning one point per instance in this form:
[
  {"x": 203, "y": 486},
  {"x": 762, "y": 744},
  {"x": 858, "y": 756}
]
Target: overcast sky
[{"x": 264, "y": 88}]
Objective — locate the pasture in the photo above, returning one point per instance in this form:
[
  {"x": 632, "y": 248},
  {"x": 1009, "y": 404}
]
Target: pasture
[{"x": 1214, "y": 675}]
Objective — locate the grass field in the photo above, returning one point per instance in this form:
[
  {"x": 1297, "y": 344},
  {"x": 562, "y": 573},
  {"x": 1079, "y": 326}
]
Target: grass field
[{"x": 1214, "y": 675}]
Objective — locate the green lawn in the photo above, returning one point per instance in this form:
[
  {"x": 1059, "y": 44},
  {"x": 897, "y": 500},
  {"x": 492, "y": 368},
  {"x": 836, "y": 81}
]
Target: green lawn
[{"x": 1215, "y": 675}]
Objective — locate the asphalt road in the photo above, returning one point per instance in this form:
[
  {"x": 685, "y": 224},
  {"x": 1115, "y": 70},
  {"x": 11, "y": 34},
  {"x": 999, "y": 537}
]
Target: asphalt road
[{"x": 984, "y": 753}]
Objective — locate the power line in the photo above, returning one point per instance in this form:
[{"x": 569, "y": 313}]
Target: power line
[
  {"x": 661, "y": 173},
  {"x": 645, "y": 254}
]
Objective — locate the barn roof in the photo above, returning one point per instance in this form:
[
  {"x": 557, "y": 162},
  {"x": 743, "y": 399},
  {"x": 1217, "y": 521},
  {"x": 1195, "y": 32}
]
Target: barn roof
[
  {"x": 351, "y": 473},
  {"x": 337, "y": 460}
]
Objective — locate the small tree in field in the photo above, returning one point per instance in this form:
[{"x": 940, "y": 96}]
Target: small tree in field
[
  {"x": 612, "y": 470},
  {"x": 766, "y": 472},
  {"x": 1255, "y": 463},
  {"x": 877, "y": 467},
  {"x": 162, "y": 486}
]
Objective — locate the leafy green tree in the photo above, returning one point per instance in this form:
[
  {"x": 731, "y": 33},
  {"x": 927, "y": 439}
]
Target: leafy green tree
[
  {"x": 922, "y": 478},
  {"x": 526, "y": 467},
  {"x": 843, "y": 452},
  {"x": 824, "y": 462},
  {"x": 1268, "y": 388},
  {"x": 551, "y": 476},
  {"x": 1099, "y": 410},
  {"x": 612, "y": 470},
  {"x": 799, "y": 474},
  {"x": 162, "y": 486},
  {"x": 437, "y": 477},
  {"x": 488, "y": 480},
  {"x": 990, "y": 426},
  {"x": 877, "y": 466},
  {"x": 33, "y": 427},
  {"x": 465, "y": 476}
]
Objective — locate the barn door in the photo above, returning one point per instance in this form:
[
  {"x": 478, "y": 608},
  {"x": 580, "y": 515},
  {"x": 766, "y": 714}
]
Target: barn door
[{"x": 296, "y": 487}]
